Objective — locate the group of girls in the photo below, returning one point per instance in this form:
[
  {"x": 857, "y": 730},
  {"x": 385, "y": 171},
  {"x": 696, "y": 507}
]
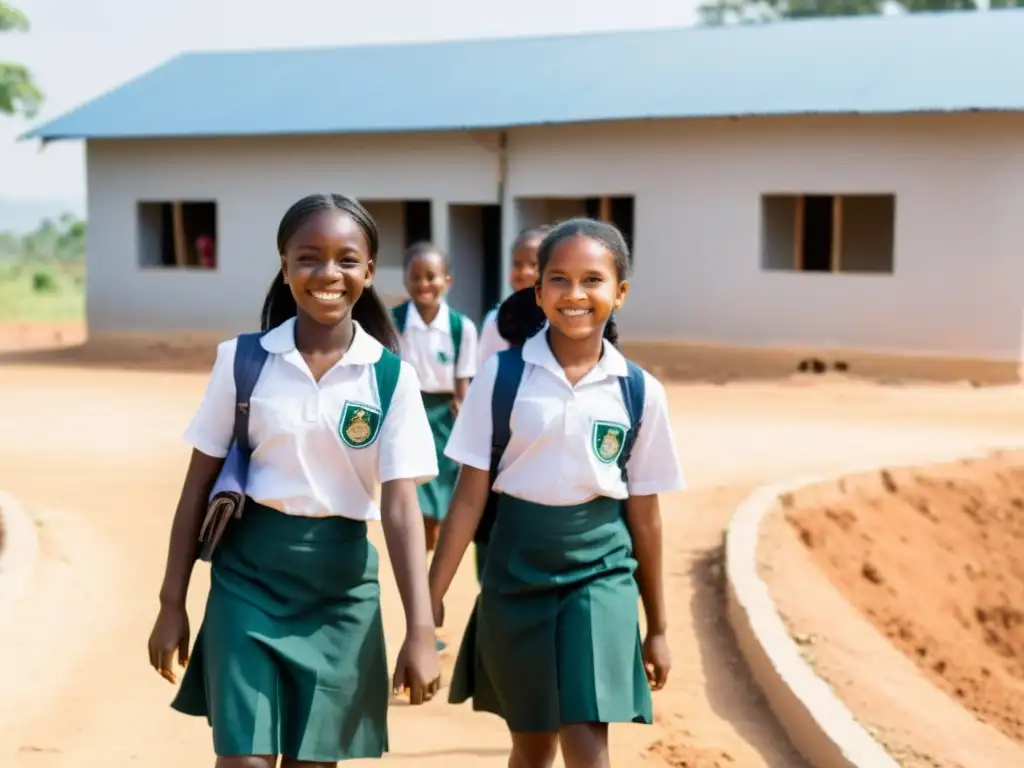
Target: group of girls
[{"x": 550, "y": 455}]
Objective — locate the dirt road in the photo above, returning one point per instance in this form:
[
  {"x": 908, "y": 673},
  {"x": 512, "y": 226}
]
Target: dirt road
[{"x": 96, "y": 456}]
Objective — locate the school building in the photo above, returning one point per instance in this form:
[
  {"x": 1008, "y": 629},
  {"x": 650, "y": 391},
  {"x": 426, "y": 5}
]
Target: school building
[{"x": 851, "y": 188}]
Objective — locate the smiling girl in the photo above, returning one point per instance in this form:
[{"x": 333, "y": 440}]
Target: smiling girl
[
  {"x": 290, "y": 658},
  {"x": 583, "y": 445},
  {"x": 440, "y": 344}
]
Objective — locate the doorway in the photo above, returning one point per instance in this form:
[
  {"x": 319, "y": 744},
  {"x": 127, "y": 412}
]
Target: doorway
[{"x": 474, "y": 248}]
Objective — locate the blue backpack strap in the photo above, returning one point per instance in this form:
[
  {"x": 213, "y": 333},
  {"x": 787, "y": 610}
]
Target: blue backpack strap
[
  {"x": 399, "y": 315},
  {"x": 633, "y": 388},
  {"x": 249, "y": 359},
  {"x": 503, "y": 397},
  {"x": 386, "y": 371},
  {"x": 455, "y": 325}
]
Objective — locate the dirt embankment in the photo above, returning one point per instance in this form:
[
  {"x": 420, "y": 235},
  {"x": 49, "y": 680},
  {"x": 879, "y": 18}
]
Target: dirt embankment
[{"x": 935, "y": 559}]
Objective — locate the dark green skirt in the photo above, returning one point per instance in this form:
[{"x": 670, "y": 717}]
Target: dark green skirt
[
  {"x": 290, "y": 658},
  {"x": 436, "y": 495},
  {"x": 554, "y": 638}
]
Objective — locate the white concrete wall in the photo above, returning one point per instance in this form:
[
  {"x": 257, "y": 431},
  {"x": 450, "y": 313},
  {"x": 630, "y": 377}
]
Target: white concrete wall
[
  {"x": 254, "y": 181},
  {"x": 465, "y": 249},
  {"x": 957, "y": 290},
  {"x": 390, "y": 218},
  {"x": 958, "y": 287}
]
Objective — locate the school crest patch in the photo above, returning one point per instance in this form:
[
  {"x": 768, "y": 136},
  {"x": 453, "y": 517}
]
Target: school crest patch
[
  {"x": 359, "y": 424},
  {"x": 606, "y": 440},
  {"x": 442, "y": 357}
]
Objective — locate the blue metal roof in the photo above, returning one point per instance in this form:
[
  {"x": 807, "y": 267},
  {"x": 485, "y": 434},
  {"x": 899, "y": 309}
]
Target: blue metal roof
[{"x": 943, "y": 62}]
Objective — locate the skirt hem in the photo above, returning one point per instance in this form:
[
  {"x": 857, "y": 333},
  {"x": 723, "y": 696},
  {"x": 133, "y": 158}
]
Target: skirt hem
[{"x": 637, "y": 719}]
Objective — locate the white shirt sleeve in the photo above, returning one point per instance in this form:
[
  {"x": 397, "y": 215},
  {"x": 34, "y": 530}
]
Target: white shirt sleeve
[
  {"x": 406, "y": 443},
  {"x": 465, "y": 367},
  {"x": 490, "y": 340},
  {"x": 654, "y": 464},
  {"x": 470, "y": 441},
  {"x": 213, "y": 425}
]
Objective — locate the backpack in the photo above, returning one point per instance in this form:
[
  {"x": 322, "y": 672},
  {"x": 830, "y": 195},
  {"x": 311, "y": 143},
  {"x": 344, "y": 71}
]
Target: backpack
[
  {"x": 227, "y": 498},
  {"x": 506, "y": 385},
  {"x": 400, "y": 314}
]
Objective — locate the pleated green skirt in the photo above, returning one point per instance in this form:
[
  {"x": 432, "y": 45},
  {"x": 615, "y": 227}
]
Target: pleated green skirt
[
  {"x": 290, "y": 657},
  {"x": 436, "y": 495},
  {"x": 554, "y": 638}
]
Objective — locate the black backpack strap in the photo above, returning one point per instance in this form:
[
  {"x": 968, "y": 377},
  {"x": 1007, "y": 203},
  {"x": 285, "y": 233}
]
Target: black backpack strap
[
  {"x": 503, "y": 398},
  {"x": 249, "y": 359},
  {"x": 634, "y": 392}
]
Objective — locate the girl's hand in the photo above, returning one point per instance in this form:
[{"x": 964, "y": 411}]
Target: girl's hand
[
  {"x": 657, "y": 660},
  {"x": 456, "y": 405},
  {"x": 170, "y": 636},
  {"x": 418, "y": 669}
]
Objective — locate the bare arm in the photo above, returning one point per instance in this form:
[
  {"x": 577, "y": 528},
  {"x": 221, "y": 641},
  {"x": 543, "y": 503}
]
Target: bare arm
[
  {"x": 403, "y": 532},
  {"x": 188, "y": 518},
  {"x": 464, "y": 514},
  {"x": 461, "y": 388},
  {"x": 643, "y": 516}
]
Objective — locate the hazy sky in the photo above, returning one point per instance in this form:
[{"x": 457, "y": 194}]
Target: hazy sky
[{"x": 78, "y": 50}]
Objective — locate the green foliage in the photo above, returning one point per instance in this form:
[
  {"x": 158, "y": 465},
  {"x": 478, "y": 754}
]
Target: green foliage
[
  {"x": 62, "y": 241},
  {"x": 43, "y": 281},
  {"x": 11, "y": 19},
  {"x": 719, "y": 12},
  {"x": 42, "y": 273},
  {"x": 18, "y": 93},
  {"x": 41, "y": 294}
]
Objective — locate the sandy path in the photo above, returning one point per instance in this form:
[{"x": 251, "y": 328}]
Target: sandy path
[{"x": 96, "y": 456}]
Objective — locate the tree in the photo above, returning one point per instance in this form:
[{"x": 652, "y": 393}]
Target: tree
[
  {"x": 718, "y": 12},
  {"x": 61, "y": 240},
  {"x": 18, "y": 93}
]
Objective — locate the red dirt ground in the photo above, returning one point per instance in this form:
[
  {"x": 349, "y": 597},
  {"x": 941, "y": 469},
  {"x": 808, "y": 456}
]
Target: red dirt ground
[
  {"x": 91, "y": 445},
  {"x": 934, "y": 557}
]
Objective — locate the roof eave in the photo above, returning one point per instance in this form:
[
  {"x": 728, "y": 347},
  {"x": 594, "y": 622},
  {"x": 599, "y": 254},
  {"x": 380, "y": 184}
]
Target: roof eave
[{"x": 47, "y": 136}]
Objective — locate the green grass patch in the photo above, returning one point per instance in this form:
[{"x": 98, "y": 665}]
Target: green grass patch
[{"x": 33, "y": 292}]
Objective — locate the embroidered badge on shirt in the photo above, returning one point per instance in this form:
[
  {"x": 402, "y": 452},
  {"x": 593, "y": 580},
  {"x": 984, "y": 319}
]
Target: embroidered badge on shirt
[
  {"x": 606, "y": 440},
  {"x": 442, "y": 357},
  {"x": 359, "y": 424}
]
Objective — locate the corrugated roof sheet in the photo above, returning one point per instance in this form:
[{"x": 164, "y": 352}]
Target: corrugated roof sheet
[{"x": 942, "y": 62}]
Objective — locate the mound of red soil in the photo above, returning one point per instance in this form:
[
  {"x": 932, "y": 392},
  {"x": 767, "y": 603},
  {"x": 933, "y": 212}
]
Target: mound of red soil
[{"x": 934, "y": 558}]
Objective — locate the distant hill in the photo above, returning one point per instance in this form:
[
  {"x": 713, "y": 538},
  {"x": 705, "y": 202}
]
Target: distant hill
[{"x": 24, "y": 215}]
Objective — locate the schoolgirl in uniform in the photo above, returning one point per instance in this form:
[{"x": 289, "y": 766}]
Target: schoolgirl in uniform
[
  {"x": 554, "y": 646},
  {"x": 523, "y": 275},
  {"x": 441, "y": 346},
  {"x": 290, "y": 658}
]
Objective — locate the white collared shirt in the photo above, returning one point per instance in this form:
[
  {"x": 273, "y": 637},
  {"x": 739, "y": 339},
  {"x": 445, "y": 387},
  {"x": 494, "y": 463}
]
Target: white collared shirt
[
  {"x": 430, "y": 349},
  {"x": 300, "y": 463},
  {"x": 560, "y": 452},
  {"x": 490, "y": 340}
]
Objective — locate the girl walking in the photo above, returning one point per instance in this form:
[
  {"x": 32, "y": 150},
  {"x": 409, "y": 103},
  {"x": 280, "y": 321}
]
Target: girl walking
[
  {"x": 522, "y": 275},
  {"x": 582, "y": 446},
  {"x": 441, "y": 345},
  {"x": 290, "y": 661}
]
